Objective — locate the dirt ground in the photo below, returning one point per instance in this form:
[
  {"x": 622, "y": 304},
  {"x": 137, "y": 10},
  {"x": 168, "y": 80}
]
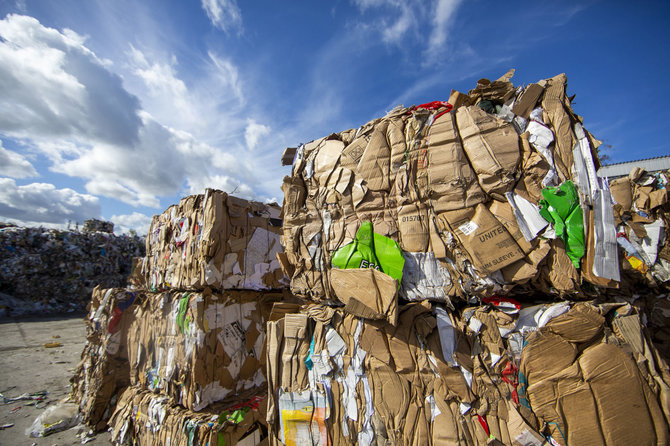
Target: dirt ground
[{"x": 27, "y": 366}]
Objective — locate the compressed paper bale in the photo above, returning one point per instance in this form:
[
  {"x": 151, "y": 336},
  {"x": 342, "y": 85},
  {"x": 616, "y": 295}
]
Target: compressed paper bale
[{"x": 218, "y": 241}]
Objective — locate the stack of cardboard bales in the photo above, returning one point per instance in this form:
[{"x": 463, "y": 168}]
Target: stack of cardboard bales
[
  {"x": 493, "y": 201},
  {"x": 180, "y": 359}
]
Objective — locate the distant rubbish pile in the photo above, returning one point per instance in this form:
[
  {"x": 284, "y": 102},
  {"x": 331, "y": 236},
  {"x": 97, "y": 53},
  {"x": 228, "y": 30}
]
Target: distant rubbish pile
[
  {"x": 49, "y": 270},
  {"x": 451, "y": 273}
]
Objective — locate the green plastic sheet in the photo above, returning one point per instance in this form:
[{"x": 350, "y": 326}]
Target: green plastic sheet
[
  {"x": 560, "y": 206},
  {"x": 371, "y": 250}
]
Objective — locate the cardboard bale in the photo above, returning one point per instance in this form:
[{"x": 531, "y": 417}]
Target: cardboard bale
[
  {"x": 214, "y": 240},
  {"x": 501, "y": 373},
  {"x": 103, "y": 368},
  {"x": 142, "y": 417},
  {"x": 482, "y": 161},
  {"x": 199, "y": 348},
  {"x": 195, "y": 348}
]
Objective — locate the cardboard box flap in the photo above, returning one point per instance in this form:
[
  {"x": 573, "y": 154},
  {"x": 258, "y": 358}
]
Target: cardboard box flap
[
  {"x": 581, "y": 324},
  {"x": 452, "y": 183},
  {"x": 527, "y": 100},
  {"x": 617, "y": 387},
  {"x": 487, "y": 241},
  {"x": 546, "y": 354},
  {"x": 492, "y": 147},
  {"x": 366, "y": 293},
  {"x": 375, "y": 162}
]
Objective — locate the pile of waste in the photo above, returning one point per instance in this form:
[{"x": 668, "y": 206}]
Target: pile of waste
[
  {"x": 51, "y": 270},
  {"x": 451, "y": 273},
  {"x": 177, "y": 357}
]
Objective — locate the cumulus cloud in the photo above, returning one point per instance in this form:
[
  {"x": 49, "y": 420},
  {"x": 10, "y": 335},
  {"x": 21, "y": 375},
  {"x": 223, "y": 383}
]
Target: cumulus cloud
[
  {"x": 61, "y": 98},
  {"x": 136, "y": 221},
  {"x": 224, "y": 14},
  {"x": 56, "y": 87},
  {"x": 254, "y": 132},
  {"x": 14, "y": 164},
  {"x": 43, "y": 203}
]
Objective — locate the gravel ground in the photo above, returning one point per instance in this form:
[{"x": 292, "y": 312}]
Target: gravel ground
[{"x": 26, "y": 366}]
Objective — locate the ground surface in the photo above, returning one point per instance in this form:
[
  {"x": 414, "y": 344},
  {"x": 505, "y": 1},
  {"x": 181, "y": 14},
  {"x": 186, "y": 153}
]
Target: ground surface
[{"x": 27, "y": 366}]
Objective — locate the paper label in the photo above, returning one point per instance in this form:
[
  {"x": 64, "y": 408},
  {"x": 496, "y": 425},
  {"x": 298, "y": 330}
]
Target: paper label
[
  {"x": 468, "y": 228},
  {"x": 232, "y": 337}
]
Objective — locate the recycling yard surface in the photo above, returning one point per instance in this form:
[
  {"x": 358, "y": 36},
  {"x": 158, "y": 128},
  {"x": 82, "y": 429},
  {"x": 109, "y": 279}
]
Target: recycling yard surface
[{"x": 27, "y": 366}]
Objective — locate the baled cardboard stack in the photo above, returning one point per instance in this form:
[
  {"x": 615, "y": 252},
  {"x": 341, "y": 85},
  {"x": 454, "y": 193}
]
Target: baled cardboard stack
[
  {"x": 194, "y": 349},
  {"x": 561, "y": 373},
  {"x": 494, "y": 201},
  {"x": 459, "y": 186},
  {"x": 214, "y": 240},
  {"x": 166, "y": 359}
]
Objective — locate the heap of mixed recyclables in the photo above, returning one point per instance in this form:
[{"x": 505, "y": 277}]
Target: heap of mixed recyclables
[
  {"x": 55, "y": 270},
  {"x": 177, "y": 358}
]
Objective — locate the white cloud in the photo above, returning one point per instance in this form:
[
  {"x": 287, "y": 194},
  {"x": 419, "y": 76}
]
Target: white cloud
[
  {"x": 224, "y": 14},
  {"x": 136, "y": 221},
  {"x": 254, "y": 132},
  {"x": 65, "y": 102},
  {"x": 192, "y": 107},
  {"x": 445, "y": 11},
  {"x": 54, "y": 86},
  {"x": 15, "y": 165},
  {"x": 405, "y": 23},
  {"x": 43, "y": 203},
  {"x": 227, "y": 74}
]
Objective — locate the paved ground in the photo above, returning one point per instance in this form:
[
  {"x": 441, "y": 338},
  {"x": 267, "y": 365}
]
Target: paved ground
[{"x": 27, "y": 366}]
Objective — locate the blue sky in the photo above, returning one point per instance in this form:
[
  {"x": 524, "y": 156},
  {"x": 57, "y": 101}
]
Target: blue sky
[{"x": 117, "y": 109}]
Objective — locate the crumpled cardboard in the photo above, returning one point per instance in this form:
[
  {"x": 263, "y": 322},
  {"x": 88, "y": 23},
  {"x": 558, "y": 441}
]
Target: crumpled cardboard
[
  {"x": 492, "y": 147},
  {"x": 142, "y": 417},
  {"x": 489, "y": 244}
]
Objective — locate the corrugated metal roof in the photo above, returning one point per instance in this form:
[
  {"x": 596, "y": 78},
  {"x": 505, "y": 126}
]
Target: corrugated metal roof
[{"x": 623, "y": 169}]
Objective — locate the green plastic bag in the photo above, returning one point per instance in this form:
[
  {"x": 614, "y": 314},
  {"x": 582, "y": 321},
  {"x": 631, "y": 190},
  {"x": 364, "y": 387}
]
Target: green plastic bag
[
  {"x": 560, "y": 206},
  {"x": 371, "y": 250}
]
